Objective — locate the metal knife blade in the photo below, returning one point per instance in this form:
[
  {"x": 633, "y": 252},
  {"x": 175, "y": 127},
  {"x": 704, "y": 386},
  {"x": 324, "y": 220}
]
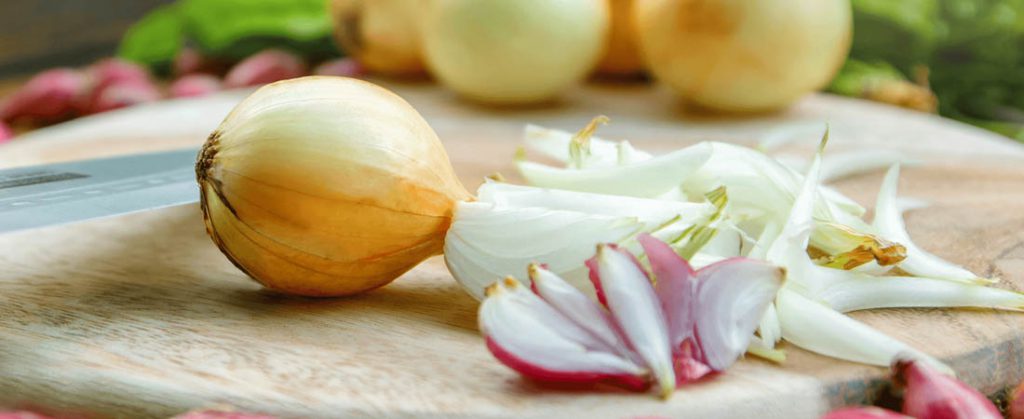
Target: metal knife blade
[{"x": 53, "y": 194}]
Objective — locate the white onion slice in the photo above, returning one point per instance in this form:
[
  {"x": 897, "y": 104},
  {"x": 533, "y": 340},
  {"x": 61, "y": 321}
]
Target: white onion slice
[{"x": 889, "y": 223}]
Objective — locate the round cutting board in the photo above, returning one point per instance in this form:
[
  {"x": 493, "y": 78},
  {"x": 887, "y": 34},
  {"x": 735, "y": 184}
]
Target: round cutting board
[{"x": 141, "y": 315}]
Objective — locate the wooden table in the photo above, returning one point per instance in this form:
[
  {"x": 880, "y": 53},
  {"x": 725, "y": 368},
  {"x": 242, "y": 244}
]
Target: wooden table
[{"x": 141, "y": 316}]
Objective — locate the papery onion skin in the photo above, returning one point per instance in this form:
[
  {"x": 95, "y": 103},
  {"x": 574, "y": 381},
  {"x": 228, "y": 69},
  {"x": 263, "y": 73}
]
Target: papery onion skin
[
  {"x": 622, "y": 56},
  {"x": 326, "y": 186},
  {"x": 744, "y": 55},
  {"x": 384, "y": 35},
  {"x": 514, "y": 51}
]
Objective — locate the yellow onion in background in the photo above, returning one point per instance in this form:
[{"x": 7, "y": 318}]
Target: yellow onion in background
[
  {"x": 622, "y": 56},
  {"x": 383, "y": 35},
  {"x": 514, "y": 51},
  {"x": 326, "y": 186},
  {"x": 744, "y": 55}
]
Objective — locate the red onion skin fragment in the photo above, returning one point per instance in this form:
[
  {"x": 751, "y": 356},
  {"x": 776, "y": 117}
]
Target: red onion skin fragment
[
  {"x": 528, "y": 335},
  {"x": 124, "y": 94},
  {"x": 580, "y": 309},
  {"x": 341, "y": 67},
  {"x": 5, "y": 133},
  {"x": 687, "y": 364},
  {"x": 116, "y": 83},
  {"x": 864, "y": 412},
  {"x": 194, "y": 85},
  {"x": 191, "y": 61},
  {"x": 265, "y": 67},
  {"x": 635, "y": 309},
  {"x": 676, "y": 283},
  {"x": 707, "y": 330},
  {"x": 188, "y": 61},
  {"x": 113, "y": 71},
  {"x": 50, "y": 96},
  {"x": 931, "y": 394},
  {"x": 1016, "y": 407},
  {"x": 676, "y": 288},
  {"x": 629, "y": 382},
  {"x": 595, "y": 278},
  {"x": 555, "y": 333}
]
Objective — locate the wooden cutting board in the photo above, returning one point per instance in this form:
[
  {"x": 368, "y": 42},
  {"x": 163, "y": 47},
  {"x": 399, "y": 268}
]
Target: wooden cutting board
[{"x": 141, "y": 316}]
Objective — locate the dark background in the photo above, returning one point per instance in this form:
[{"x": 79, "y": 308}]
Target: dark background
[{"x": 38, "y": 34}]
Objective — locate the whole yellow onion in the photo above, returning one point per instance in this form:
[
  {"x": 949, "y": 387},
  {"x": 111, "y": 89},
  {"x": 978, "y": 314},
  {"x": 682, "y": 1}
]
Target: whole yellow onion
[
  {"x": 622, "y": 57},
  {"x": 326, "y": 186},
  {"x": 744, "y": 55},
  {"x": 383, "y": 35},
  {"x": 514, "y": 51}
]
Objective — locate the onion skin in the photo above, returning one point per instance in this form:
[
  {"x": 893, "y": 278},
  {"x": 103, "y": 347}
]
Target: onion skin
[
  {"x": 384, "y": 35},
  {"x": 195, "y": 85},
  {"x": 869, "y": 412},
  {"x": 326, "y": 186},
  {"x": 931, "y": 394},
  {"x": 744, "y": 55},
  {"x": 622, "y": 56},
  {"x": 264, "y": 67},
  {"x": 6, "y": 134},
  {"x": 1016, "y": 404},
  {"x": 514, "y": 51},
  {"x": 50, "y": 96}
]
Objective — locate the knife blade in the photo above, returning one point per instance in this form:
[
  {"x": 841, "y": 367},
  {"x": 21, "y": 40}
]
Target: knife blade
[{"x": 54, "y": 194}]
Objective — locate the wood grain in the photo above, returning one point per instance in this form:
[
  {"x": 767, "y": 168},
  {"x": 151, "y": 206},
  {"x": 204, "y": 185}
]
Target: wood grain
[{"x": 140, "y": 316}]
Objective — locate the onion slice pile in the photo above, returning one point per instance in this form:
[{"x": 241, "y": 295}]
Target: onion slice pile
[
  {"x": 637, "y": 334},
  {"x": 836, "y": 260}
]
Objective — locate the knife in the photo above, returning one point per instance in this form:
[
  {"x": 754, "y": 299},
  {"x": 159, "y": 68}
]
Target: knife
[{"x": 54, "y": 194}]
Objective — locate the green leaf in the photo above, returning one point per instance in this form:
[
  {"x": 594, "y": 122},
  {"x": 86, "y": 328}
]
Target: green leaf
[
  {"x": 903, "y": 33},
  {"x": 155, "y": 40},
  {"x": 234, "y": 29},
  {"x": 974, "y": 50},
  {"x": 856, "y": 75}
]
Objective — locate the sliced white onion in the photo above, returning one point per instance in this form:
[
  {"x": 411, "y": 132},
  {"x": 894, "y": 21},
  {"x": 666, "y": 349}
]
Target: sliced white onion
[
  {"x": 845, "y": 164},
  {"x": 525, "y": 326},
  {"x": 676, "y": 289},
  {"x": 512, "y": 226},
  {"x": 790, "y": 133},
  {"x": 769, "y": 328},
  {"x": 574, "y": 305},
  {"x": 857, "y": 162},
  {"x": 862, "y": 292},
  {"x": 637, "y": 311},
  {"x": 648, "y": 211},
  {"x": 603, "y": 153},
  {"x": 648, "y": 178},
  {"x": 486, "y": 243},
  {"x": 733, "y": 296},
  {"x": 818, "y": 328},
  {"x": 908, "y": 203},
  {"x": 889, "y": 223}
]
